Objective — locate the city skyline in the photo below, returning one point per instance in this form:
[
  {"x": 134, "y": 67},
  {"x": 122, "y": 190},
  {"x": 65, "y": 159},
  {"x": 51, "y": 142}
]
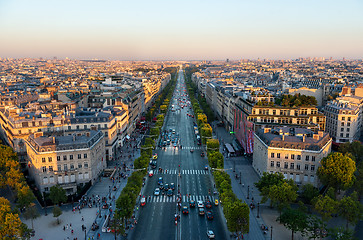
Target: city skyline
[{"x": 162, "y": 30}]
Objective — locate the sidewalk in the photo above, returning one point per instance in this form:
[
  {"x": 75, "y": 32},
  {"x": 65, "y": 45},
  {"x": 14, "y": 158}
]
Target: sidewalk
[{"x": 242, "y": 167}]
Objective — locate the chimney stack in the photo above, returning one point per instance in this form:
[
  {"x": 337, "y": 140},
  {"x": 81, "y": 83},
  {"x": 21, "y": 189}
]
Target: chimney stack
[
  {"x": 54, "y": 140},
  {"x": 304, "y": 138}
]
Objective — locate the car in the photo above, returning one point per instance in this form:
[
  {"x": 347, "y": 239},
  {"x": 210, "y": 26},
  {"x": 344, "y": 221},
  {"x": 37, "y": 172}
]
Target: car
[
  {"x": 157, "y": 192},
  {"x": 185, "y": 210},
  {"x": 172, "y": 186},
  {"x": 208, "y": 204},
  {"x": 216, "y": 202},
  {"x": 200, "y": 204},
  {"x": 192, "y": 203},
  {"x": 160, "y": 180},
  {"x": 161, "y": 186},
  {"x": 175, "y": 144},
  {"x": 143, "y": 201},
  {"x": 201, "y": 211},
  {"x": 209, "y": 215},
  {"x": 210, "y": 234},
  {"x": 153, "y": 164},
  {"x": 166, "y": 186},
  {"x": 202, "y": 154},
  {"x": 155, "y": 156},
  {"x": 164, "y": 144},
  {"x": 151, "y": 173},
  {"x": 206, "y": 167},
  {"x": 170, "y": 192}
]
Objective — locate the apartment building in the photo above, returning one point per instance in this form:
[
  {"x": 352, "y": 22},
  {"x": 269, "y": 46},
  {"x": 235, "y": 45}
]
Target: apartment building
[
  {"x": 69, "y": 160},
  {"x": 294, "y": 152}
]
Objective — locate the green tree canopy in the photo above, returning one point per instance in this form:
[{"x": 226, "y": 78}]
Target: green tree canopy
[
  {"x": 294, "y": 220},
  {"x": 325, "y": 206},
  {"x": 281, "y": 195},
  {"x": 309, "y": 192},
  {"x": 337, "y": 170},
  {"x": 57, "y": 212},
  {"x": 10, "y": 225},
  {"x": 57, "y": 194},
  {"x": 351, "y": 209},
  {"x": 238, "y": 217},
  {"x": 355, "y": 148}
]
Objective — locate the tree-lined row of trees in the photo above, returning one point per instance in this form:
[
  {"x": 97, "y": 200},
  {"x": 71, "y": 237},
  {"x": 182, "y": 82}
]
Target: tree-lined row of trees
[
  {"x": 235, "y": 211},
  {"x": 126, "y": 202}
]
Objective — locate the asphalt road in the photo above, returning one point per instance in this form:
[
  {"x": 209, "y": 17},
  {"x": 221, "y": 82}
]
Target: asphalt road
[{"x": 157, "y": 218}]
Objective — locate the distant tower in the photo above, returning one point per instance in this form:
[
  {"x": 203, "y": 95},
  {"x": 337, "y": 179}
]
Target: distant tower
[{"x": 227, "y": 60}]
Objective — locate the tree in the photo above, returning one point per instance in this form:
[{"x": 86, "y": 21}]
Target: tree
[
  {"x": 212, "y": 145},
  {"x": 10, "y": 225},
  {"x": 337, "y": 170},
  {"x": 238, "y": 218},
  {"x": 25, "y": 197},
  {"x": 32, "y": 213},
  {"x": 355, "y": 148},
  {"x": 57, "y": 212},
  {"x": 339, "y": 233},
  {"x": 117, "y": 224},
  {"x": 266, "y": 181},
  {"x": 57, "y": 194},
  {"x": 282, "y": 194},
  {"x": 325, "y": 206},
  {"x": 358, "y": 184},
  {"x": 316, "y": 228},
  {"x": 294, "y": 220},
  {"x": 309, "y": 192},
  {"x": 351, "y": 209}
]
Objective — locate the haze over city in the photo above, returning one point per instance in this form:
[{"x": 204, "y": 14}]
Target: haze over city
[{"x": 181, "y": 30}]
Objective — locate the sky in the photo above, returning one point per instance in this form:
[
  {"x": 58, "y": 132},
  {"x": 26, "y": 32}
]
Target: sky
[{"x": 181, "y": 30}]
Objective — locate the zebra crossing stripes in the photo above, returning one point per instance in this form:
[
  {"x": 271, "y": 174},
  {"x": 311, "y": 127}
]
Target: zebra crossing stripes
[
  {"x": 172, "y": 199},
  {"x": 194, "y": 148},
  {"x": 192, "y": 171}
]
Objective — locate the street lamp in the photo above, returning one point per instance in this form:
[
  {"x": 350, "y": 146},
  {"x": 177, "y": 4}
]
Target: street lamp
[
  {"x": 85, "y": 233},
  {"x": 234, "y": 165},
  {"x": 240, "y": 177},
  {"x": 258, "y": 210},
  {"x": 248, "y": 192},
  {"x": 271, "y": 233}
]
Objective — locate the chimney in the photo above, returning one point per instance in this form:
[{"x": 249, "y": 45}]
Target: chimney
[
  {"x": 304, "y": 138},
  {"x": 74, "y": 138},
  {"x": 267, "y": 130},
  {"x": 283, "y": 137},
  {"x": 54, "y": 140},
  {"x": 321, "y": 133},
  {"x": 316, "y": 136}
]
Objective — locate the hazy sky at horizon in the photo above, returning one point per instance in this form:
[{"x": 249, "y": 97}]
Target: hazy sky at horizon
[{"x": 183, "y": 30}]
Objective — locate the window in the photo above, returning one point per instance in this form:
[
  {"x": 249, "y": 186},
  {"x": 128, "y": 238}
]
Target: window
[
  {"x": 292, "y": 166},
  {"x": 348, "y": 129},
  {"x": 71, "y": 157},
  {"x": 278, "y": 155},
  {"x": 312, "y": 168},
  {"x": 85, "y": 155},
  {"x": 298, "y": 166},
  {"x": 286, "y": 165},
  {"x": 65, "y": 167},
  {"x": 43, "y": 159},
  {"x": 298, "y": 157},
  {"x": 64, "y": 157},
  {"x": 286, "y": 156},
  {"x": 85, "y": 126},
  {"x": 341, "y": 135},
  {"x": 72, "y": 166},
  {"x": 105, "y": 125},
  {"x": 58, "y": 158},
  {"x": 272, "y": 163},
  {"x": 307, "y": 158},
  {"x": 348, "y": 124},
  {"x": 343, "y": 118},
  {"x": 79, "y": 156},
  {"x": 44, "y": 168},
  {"x": 272, "y": 155},
  {"x": 278, "y": 164},
  {"x": 50, "y": 168},
  {"x": 79, "y": 165},
  {"x": 342, "y": 124},
  {"x": 306, "y": 167},
  {"x": 347, "y": 135},
  {"x": 85, "y": 164},
  {"x": 59, "y": 167},
  {"x": 69, "y": 128},
  {"x": 349, "y": 119},
  {"x": 77, "y": 127},
  {"x": 342, "y": 129},
  {"x": 292, "y": 156},
  {"x": 313, "y": 158}
]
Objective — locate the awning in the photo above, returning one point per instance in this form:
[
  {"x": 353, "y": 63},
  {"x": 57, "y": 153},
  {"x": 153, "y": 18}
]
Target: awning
[
  {"x": 236, "y": 145},
  {"x": 229, "y": 148}
]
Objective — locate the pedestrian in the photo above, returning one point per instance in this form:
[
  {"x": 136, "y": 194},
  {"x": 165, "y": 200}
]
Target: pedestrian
[
  {"x": 64, "y": 228},
  {"x": 82, "y": 218},
  {"x": 70, "y": 225},
  {"x": 67, "y": 226}
]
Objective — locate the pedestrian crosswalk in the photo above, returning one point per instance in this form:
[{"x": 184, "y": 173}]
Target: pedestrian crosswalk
[
  {"x": 174, "y": 171},
  {"x": 183, "y": 147},
  {"x": 164, "y": 198}
]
